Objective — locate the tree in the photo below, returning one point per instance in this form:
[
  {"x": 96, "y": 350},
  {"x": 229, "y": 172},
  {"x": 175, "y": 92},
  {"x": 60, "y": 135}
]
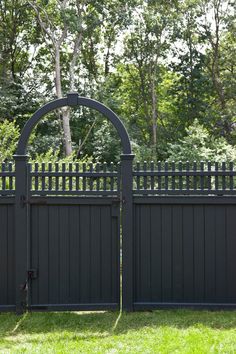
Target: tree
[
  {"x": 9, "y": 135},
  {"x": 198, "y": 145},
  {"x": 18, "y": 93},
  {"x": 218, "y": 28},
  {"x": 61, "y": 21},
  {"x": 158, "y": 65},
  {"x": 72, "y": 30},
  {"x": 188, "y": 60},
  {"x": 146, "y": 46}
]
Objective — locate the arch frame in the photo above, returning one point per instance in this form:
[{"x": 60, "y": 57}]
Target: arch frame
[
  {"x": 73, "y": 100},
  {"x": 22, "y": 198}
]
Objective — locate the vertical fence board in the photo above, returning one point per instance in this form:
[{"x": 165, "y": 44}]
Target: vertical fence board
[
  {"x": 3, "y": 255},
  {"x": 84, "y": 252},
  {"x": 145, "y": 253},
  {"x": 177, "y": 253},
  {"x": 43, "y": 254},
  {"x": 209, "y": 253},
  {"x": 220, "y": 254},
  {"x": 95, "y": 253},
  {"x": 34, "y": 234},
  {"x": 156, "y": 254},
  {"x": 137, "y": 255},
  {"x": 10, "y": 254},
  {"x": 64, "y": 236},
  {"x": 54, "y": 255},
  {"x": 199, "y": 258},
  {"x": 116, "y": 259},
  {"x": 188, "y": 254},
  {"x": 166, "y": 253},
  {"x": 74, "y": 254},
  {"x": 231, "y": 247},
  {"x": 105, "y": 243}
]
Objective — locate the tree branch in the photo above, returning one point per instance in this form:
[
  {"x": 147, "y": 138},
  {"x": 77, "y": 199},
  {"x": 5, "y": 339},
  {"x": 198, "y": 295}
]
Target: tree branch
[
  {"x": 75, "y": 55},
  {"x": 41, "y": 22}
]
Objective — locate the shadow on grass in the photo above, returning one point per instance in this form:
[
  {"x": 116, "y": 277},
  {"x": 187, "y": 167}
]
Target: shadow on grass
[{"x": 103, "y": 324}]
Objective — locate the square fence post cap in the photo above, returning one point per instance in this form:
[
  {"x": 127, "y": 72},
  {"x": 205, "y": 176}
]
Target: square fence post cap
[
  {"x": 72, "y": 99},
  {"x": 127, "y": 157}
]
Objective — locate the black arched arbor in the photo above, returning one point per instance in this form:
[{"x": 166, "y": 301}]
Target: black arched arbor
[
  {"x": 74, "y": 100},
  {"x": 22, "y": 196}
]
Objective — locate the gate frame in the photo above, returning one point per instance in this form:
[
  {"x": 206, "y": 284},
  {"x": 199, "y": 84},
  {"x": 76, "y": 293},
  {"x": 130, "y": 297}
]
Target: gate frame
[{"x": 22, "y": 196}]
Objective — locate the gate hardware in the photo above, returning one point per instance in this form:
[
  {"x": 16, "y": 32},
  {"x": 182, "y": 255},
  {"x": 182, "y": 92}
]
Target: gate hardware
[
  {"x": 122, "y": 199},
  {"x": 38, "y": 200},
  {"x": 22, "y": 201},
  {"x": 32, "y": 274}
]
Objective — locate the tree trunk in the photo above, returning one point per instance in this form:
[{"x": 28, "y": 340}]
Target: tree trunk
[
  {"x": 65, "y": 112},
  {"x": 66, "y": 130},
  {"x": 154, "y": 114}
]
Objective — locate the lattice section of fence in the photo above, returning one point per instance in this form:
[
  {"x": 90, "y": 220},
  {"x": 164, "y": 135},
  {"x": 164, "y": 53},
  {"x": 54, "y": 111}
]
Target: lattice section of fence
[
  {"x": 74, "y": 179},
  {"x": 170, "y": 178},
  {"x": 163, "y": 178},
  {"x": 7, "y": 179}
]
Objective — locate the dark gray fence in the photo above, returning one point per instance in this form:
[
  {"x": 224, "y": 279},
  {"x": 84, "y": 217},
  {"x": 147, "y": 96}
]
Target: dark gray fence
[
  {"x": 184, "y": 235},
  {"x": 60, "y": 224}
]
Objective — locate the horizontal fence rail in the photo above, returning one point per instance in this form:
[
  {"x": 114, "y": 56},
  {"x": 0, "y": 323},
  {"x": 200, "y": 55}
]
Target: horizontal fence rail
[
  {"x": 74, "y": 179},
  {"x": 7, "y": 179},
  {"x": 197, "y": 178}
]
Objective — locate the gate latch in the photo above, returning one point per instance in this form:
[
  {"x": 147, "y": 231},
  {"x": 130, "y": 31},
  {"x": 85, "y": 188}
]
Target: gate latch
[
  {"x": 32, "y": 273},
  {"x": 23, "y": 201}
]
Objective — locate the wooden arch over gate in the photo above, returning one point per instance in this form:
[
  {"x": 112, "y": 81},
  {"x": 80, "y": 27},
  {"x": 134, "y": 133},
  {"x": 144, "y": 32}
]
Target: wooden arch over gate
[
  {"x": 23, "y": 199},
  {"x": 73, "y": 100}
]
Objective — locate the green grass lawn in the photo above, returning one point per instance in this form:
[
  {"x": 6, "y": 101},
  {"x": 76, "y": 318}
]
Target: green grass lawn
[{"x": 175, "y": 331}]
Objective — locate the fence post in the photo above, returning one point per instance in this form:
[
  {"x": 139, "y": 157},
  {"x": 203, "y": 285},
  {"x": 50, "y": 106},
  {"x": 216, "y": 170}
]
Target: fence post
[
  {"x": 21, "y": 215},
  {"x": 127, "y": 231}
]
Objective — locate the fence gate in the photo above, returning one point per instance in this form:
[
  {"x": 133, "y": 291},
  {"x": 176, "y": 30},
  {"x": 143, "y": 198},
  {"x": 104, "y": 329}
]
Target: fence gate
[
  {"x": 67, "y": 226},
  {"x": 74, "y": 253}
]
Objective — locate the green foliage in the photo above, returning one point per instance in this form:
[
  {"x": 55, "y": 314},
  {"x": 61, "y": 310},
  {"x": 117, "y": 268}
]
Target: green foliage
[
  {"x": 158, "y": 64},
  {"x": 106, "y": 144},
  {"x": 52, "y": 156},
  {"x": 9, "y": 135},
  {"x": 199, "y": 145}
]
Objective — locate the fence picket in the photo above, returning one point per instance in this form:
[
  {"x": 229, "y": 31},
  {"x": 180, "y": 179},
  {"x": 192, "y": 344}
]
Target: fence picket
[
  {"x": 3, "y": 176},
  {"x": 173, "y": 176},
  {"x": 223, "y": 176},
  {"x": 195, "y": 177},
  {"x": 231, "y": 181},
  {"x": 209, "y": 176},
  {"x": 145, "y": 176}
]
